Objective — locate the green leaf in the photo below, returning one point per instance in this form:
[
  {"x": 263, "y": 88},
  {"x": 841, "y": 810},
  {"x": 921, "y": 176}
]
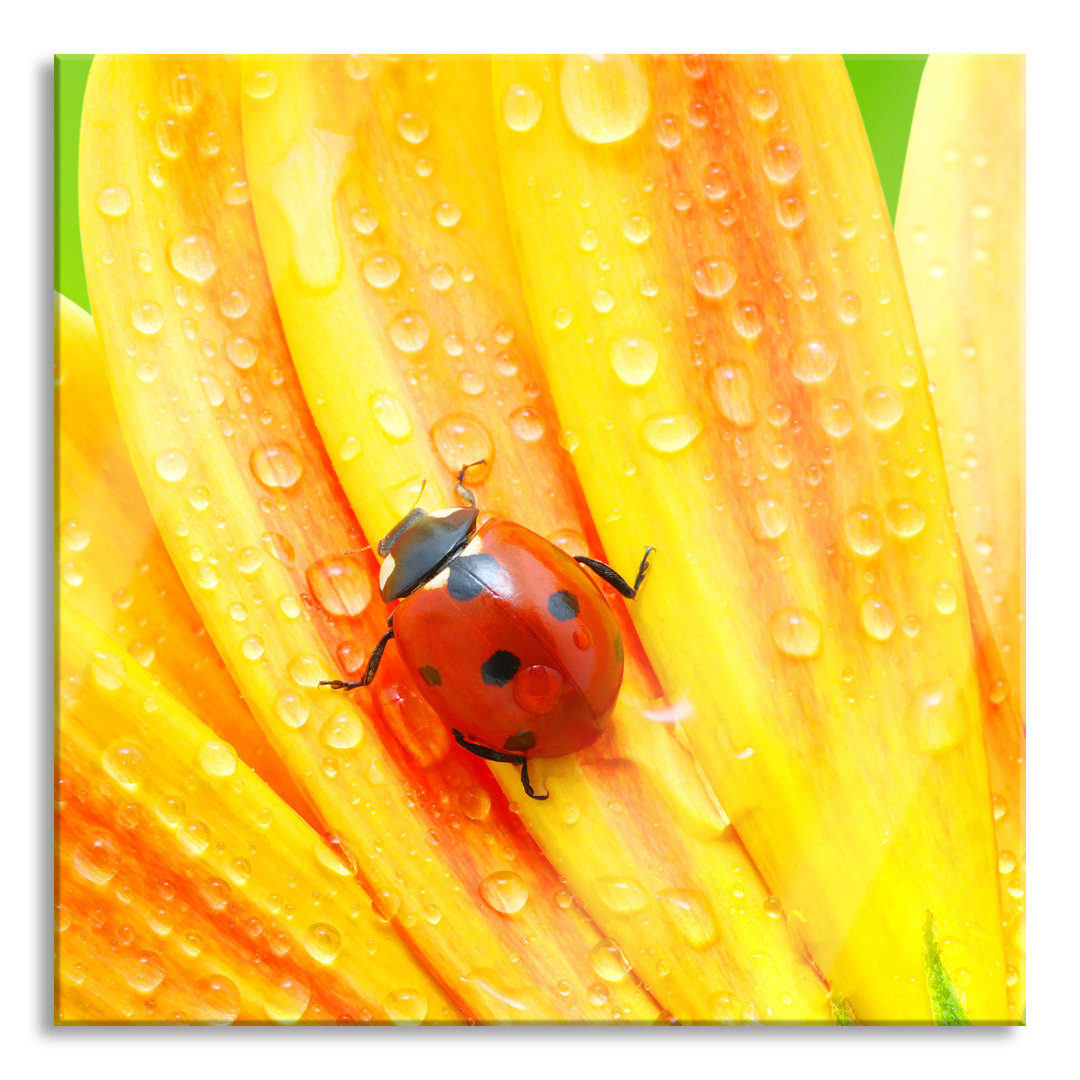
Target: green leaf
[{"x": 944, "y": 1000}]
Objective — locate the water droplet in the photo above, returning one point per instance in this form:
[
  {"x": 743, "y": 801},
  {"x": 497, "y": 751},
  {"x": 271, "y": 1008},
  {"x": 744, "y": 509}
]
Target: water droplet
[
  {"x": 634, "y": 358},
  {"x": 126, "y": 763},
  {"x": 253, "y": 647},
  {"x": 605, "y": 98},
  {"x": 147, "y": 317},
  {"x": 192, "y": 256},
  {"x": 527, "y": 424},
  {"x": 882, "y": 407},
  {"x": 74, "y": 535},
  {"x": 97, "y": 859},
  {"x": 692, "y": 915},
  {"x": 603, "y": 301},
  {"x": 381, "y": 270},
  {"x": 1006, "y": 862},
  {"x": 864, "y": 531},
  {"x": 588, "y": 240},
  {"x": 521, "y": 107},
  {"x": 114, "y": 201},
  {"x": 260, "y": 84},
  {"x": 342, "y": 731},
  {"x": 812, "y": 359},
  {"x": 905, "y": 517},
  {"x": 730, "y": 384},
  {"x": 365, "y": 221},
  {"x": 937, "y": 719},
  {"x": 637, "y": 229},
  {"x": 668, "y": 131},
  {"x": 797, "y": 633},
  {"x": 790, "y": 211},
  {"x": 836, "y": 417},
  {"x": 323, "y": 942},
  {"x": 763, "y": 103},
  {"x": 108, "y": 670},
  {"x": 504, "y": 892},
  {"x": 608, "y": 961},
  {"x": 286, "y": 1000},
  {"x": 142, "y": 971},
  {"x": 392, "y": 416},
  {"x": 409, "y": 332},
  {"x": 276, "y": 466},
  {"x": 448, "y": 214},
  {"x": 877, "y": 618},
  {"x": 714, "y": 276},
  {"x": 475, "y": 803},
  {"x": 305, "y": 669},
  {"x": 406, "y": 1006},
  {"x": 669, "y": 433},
  {"x": 293, "y": 708},
  {"x": 412, "y": 127},
  {"x": 459, "y": 439},
  {"x": 340, "y": 584},
  {"x": 773, "y": 518},
  {"x": 849, "y": 307},
  {"x": 717, "y": 182},
  {"x": 781, "y": 161},
  {"x": 622, "y": 894},
  {"x": 561, "y": 318},
  {"x": 242, "y": 351},
  {"x": 217, "y": 758},
  {"x": 945, "y": 598}
]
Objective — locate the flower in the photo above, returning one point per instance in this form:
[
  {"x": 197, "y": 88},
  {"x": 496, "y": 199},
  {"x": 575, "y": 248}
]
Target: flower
[{"x": 661, "y": 300}]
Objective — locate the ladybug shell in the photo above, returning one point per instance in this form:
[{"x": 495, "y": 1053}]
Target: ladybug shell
[{"x": 514, "y": 645}]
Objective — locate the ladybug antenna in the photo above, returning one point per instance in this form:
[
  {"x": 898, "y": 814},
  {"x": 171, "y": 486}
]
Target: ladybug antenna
[
  {"x": 357, "y": 551},
  {"x": 419, "y": 494}
]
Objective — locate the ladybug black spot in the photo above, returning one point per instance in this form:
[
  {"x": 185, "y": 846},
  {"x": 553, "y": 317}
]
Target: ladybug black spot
[
  {"x": 523, "y": 740},
  {"x": 499, "y": 668},
  {"x": 618, "y": 648},
  {"x": 471, "y": 574},
  {"x": 431, "y": 676},
  {"x": 563, "y": 605}
]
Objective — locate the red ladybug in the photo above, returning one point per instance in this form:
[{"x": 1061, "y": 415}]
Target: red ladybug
[{"x": 505, "y": 634}]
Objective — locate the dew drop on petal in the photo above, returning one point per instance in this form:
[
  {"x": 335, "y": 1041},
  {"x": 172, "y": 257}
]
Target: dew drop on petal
[
  {"x": 864, "y": 531},
  {"x": 504, "y": 892},
  {"x": 392, "y": 416},
  {"x": 192, "y": 256},
  {"x": 147, "y": 317},
  {"x": 409, "y": 332},
  {"x": 171, "y": 465},
  {"x": 276, "y": 466},
  {"x": 714, "y": 276},
  {"x": 322, "y": 941},
  {"x": 796, "y": 633},
  {"x": 608, "y": 961},
  {"x": 526, "y": 424},
  {"x": 669, "y": 433},
  {"x": 605, "y": 98},
  {"x": 114, "y": 201},
  {"x": 812, "y": 359},
  {"x": 782, "y": 160},
  {"x": 217, "y": 758},
  {"x": 882, "y": 407},
  {"x": 877, "y": 618},
  {"x": 460, "y": 439},
  {"x": 905, "y": 517},
  {"x": 731, "y": 389},
  {"x": 381, "y": 270},
  {"x": 521, "y": 107},
  {"x": 634, "y": 359}
]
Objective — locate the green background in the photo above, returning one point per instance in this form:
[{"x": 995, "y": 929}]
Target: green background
[{"x": 884, "y": 85}]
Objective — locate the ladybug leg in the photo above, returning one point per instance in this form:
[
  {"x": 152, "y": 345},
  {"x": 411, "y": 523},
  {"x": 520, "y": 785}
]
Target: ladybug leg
[
  {"x": 369, "y": 671},
  {"x": 615, "y": 579},
  {"x": 466, "y": 495},
  {"x": 498, "y": 755}
]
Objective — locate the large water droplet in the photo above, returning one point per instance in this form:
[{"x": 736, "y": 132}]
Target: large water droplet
[
  {"x": 730, "y": 384},
  {"x": 217, "y": 758},
  {"x": 323, "y": 942},
  {"x": 293, "y": 708},
  {"x": 342, "y": 731},
  {"x": 692, "y": 915},
  {"x": 460, "y": 439},
  {"x": 114, "y": 201},
  {"x": 286, "y": 1000},
  {"x": 796, "y": 632},
  {"x": 634, "y": 358},
  {"x": 260, "y": 84},
  {"x": 882, "y": 407},
  {"x": 669, "y": 433},
  {"x": 215, "y": 999},
  {"x": 637, "y": 229},
  {"x": 945, "y": 598},
  {"x": 521, "y": 107},
  {"x": 392, "y": 416},
  {"x": 409, "y": 332},
  {"x": 192, "y": 256},
  {"x": 126, "y": 763},
  {"x": 381, "y": 270},
  {"x": 97, "y": 859},
  {"x": 714, "y": 276},
  {"x": 905, "y": 517},
  {"x": 142, "y": 971},
  {"x": 877, "y": 617},
  {"x": 276, "y": 465},
  {"x": 340, "y": 584},
  {"x": 147, "y": 316},
  {"x": 781, "y": 160},
  {"x": 108, "y": 670},
  {"x": 864, "y": 531},
  {"x": 605, "y": 98},
  {"x": 812, "y": 359},
  {"x": 608, "y": 961},
  {"x": 504, "y": 892},
  {"x": 406, "y": 1006},
  {"x": 526, "y": 424}
]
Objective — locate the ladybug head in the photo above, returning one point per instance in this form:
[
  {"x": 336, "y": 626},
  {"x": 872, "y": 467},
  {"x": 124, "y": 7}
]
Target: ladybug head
[{"x": 418, "y": 547}]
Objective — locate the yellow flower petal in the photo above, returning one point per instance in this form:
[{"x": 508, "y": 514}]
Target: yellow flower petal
[
  {"x": 960, "y": 232},
  {"x": 184, "y": 293},
  {"x": 785, "y": 466},
  {"x": 372, "y": 247}
]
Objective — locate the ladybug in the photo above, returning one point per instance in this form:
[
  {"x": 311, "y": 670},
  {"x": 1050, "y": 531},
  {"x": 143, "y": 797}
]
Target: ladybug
[{"x": 504, "y": 634}]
